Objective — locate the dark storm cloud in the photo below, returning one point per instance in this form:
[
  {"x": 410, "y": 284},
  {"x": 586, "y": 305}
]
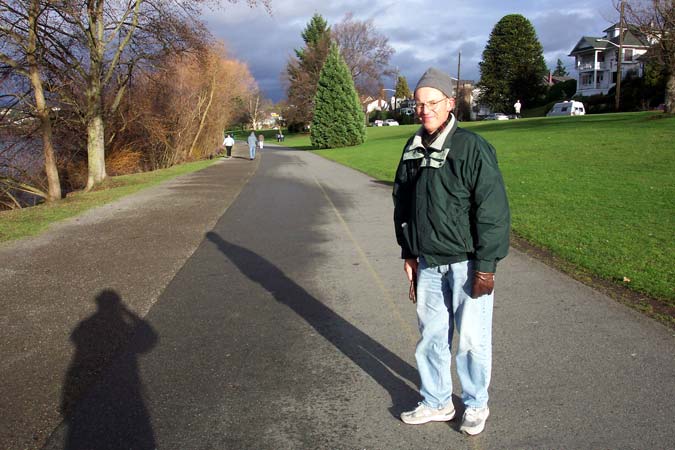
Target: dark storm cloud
[
  {"x": 421, "y": 35},
  {"x": 561, "y": 31}
]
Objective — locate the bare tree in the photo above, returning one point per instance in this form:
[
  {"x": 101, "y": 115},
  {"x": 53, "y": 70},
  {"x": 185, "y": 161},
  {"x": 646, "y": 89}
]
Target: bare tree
[
  {"x": 187, "y": 102},
  {"x": 257, "y": 107},
  {"x": 105, "y": 28},
  {"x": 366, "y": 51},
  {"x": 205, "y": 99},
  {"x": 84, "y": 57},
  {"x": 655, "y": 19},
  {"x": 20, "y": 29}
]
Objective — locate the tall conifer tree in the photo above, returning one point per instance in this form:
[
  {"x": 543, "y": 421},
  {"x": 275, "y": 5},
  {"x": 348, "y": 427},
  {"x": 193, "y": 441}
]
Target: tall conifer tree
[
  {"x": 513, "y": 66},
  {"x": 338, "y": 118},
  {"x": 303, "y": 70},
  {"x": 560, "y": 69},
  {"x": 402, "y": 89}
]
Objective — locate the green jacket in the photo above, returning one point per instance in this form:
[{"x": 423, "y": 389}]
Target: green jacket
[{"x": 450, "y": 202}]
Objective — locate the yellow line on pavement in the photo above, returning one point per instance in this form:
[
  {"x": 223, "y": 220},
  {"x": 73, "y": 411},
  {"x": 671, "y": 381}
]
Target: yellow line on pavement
[
  {"x": 387, "y": 295},
  {"x": 474, "y": 442}
]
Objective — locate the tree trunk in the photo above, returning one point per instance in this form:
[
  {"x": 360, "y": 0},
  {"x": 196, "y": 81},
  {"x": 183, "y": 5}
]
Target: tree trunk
[
  {"x": 95, "y": 126},
  {"x": 253, "y": 108},
  {"x": 53, "y": 183},
  {"x": 203, "y": 117},
  {"x": 95, "y": 152},
  {"x": 95, "y": 132},
  {"x": 670, "y": 94}
]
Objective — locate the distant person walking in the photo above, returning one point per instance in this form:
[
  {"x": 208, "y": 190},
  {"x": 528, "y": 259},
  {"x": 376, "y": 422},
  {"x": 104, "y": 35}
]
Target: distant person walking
[
  {"x": 228, "y": 143},
  {"x": 517, "y": 107},
  {"x": 252, "y": 143},
  {"x": 261, "y": 141}
]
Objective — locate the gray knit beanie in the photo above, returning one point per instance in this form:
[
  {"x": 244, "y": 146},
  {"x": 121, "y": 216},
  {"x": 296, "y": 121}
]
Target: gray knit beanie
[{"x": 436, "y": 79}]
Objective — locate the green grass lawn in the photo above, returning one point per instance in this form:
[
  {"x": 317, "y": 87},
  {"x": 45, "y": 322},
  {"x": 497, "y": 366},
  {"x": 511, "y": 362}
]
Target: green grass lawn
[
  {"x": 25, "y": 222},
  {"x": 596, "y": 190}
]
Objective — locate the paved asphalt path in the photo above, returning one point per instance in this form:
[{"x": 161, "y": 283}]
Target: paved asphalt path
[{"x": 289, "y": 328}]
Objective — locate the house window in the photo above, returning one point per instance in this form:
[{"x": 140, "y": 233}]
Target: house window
[
  {"x": 628, "y": 54},
  {"x": 601, "y": 57},
  {"x": 586, "y": 79},
  {"x": 613, "y": 77},
  {"x": 599, "y": 78}
]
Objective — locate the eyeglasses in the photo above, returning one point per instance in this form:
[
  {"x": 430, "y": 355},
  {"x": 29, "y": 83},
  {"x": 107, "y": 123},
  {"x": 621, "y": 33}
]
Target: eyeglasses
[{"x": 429, "y": 105}]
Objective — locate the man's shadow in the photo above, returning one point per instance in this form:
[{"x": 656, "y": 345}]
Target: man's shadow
[
  {"x": 103, "y": 407},
  {"x": 383, "y": 366}
]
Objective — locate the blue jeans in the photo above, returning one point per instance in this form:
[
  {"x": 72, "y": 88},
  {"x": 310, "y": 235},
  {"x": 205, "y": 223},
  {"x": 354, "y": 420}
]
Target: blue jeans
[
  {"x": 251, "y": 151},
  {"x": 443, "y": 302}
]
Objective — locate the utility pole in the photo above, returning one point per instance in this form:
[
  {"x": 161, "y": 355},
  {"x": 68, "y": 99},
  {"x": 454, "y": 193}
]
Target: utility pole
[
  {"x": 457, "y": 99},
  {"x": 617, "y": 100}
]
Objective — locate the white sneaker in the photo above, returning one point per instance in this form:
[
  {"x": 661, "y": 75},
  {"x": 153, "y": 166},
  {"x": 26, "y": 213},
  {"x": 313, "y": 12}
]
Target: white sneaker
[
  {"x": 473, "y": 421},
  {"x": 423, "y": 414}
]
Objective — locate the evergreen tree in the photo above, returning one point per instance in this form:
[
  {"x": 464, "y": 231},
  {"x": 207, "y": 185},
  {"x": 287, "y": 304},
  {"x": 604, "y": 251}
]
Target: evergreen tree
[
  {"x": 560, "y": 70},
  {"x": 338, "y": 118},
  {"x": 303, "y": 72},
  {"x": 314, "y": 33},
  {"x": 513, "y": 65},
  {"x": 402, "y": 89}
]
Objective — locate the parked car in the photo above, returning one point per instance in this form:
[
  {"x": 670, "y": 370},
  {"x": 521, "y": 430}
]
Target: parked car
[
  {"x": 390, "y": 123},
  {"x": 497, "y": 116},
  {"x": 378, "y": 123},
  {"x": 571, "y": 108}
]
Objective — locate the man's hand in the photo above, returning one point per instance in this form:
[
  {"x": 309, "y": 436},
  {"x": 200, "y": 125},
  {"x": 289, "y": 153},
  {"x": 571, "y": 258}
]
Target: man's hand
[
  {"x": 483, "y": 284},
  {"x": 410, "y": 268}
]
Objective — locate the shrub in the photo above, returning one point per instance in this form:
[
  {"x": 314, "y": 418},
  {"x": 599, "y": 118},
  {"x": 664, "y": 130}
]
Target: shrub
[{"x": 123, "y": 162}]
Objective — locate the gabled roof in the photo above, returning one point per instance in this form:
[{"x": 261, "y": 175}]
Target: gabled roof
[
  {"x": 629, "y": 27},
  {"x": 631, "y": 38},
  {"x": 611, "y": 27},
  {"x": 587, "y": 43}
]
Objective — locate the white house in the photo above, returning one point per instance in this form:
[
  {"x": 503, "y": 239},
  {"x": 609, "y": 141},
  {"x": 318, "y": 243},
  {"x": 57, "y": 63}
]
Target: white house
[
  {"x": 597, "y": 57},
  {"x": 371, "y": 105},
  {"x": 478, "y": 110}
]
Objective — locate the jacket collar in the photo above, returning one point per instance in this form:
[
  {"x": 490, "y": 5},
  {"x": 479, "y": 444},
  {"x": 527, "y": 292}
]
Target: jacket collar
[{"x": 434, "y": 155}]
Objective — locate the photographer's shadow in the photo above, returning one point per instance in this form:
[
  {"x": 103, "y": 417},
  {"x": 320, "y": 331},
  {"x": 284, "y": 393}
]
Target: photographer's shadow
[
  {"x": 102, "y": 404},
  {"x": 383, "y": 366}
]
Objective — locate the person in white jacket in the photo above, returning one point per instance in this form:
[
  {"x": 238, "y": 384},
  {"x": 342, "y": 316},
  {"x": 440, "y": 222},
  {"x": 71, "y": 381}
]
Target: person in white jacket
[{"x": 228, "y": 143}]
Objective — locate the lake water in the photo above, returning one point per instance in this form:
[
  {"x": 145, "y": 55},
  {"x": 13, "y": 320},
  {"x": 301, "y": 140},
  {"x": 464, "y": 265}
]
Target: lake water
[{"x": 23, "y": 160}]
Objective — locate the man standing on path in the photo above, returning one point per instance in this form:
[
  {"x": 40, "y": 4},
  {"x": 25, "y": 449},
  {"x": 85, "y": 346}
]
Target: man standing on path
[
  {"x": 452, "y": 222},
  {"x": 252, "y": 143}
]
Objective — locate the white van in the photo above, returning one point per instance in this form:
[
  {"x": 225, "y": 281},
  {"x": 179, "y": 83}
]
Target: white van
[{"x": 571, "y": 108}]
